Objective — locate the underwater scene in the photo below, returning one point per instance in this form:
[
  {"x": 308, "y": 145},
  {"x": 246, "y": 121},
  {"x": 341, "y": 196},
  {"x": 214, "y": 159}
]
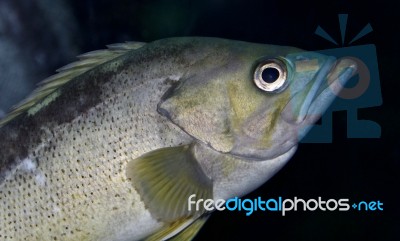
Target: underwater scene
[{"x": 199, "y": 120}]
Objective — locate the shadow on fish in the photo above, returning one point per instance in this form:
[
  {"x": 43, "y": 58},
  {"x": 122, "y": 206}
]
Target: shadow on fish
[{"x": 113, "y": 145}]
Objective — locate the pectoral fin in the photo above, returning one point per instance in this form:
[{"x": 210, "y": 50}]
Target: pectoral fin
[
  {"x": 165, "y": 178},
  {"x": 190, "y": 232},
  {"x": 182, "y": 230}
]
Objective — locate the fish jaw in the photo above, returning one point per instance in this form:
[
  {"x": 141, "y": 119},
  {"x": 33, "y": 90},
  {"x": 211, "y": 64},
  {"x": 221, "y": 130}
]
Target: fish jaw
[{"x": 310, "y": 102}]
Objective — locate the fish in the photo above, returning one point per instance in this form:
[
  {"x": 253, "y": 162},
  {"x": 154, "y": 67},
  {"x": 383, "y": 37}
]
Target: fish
[{"x": 113, "y": 145}]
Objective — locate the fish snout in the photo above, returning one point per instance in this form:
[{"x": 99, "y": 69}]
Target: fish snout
[{"x": 341, "y": 73}]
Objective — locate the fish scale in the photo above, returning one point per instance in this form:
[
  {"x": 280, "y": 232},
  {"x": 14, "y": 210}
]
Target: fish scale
[
  {"x": 106, "y": 187},
  {"x": 84, "y": 177}
]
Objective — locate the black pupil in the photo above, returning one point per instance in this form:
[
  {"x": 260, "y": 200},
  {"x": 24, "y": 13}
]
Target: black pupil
[{"x": 270, "y": 75}]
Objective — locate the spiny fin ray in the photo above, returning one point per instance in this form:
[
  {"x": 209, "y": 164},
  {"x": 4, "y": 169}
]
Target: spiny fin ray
[{"x": 65, "y": 74}]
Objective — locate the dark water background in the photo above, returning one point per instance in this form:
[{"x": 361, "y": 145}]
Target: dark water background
[{"x": 36, "y": 37}]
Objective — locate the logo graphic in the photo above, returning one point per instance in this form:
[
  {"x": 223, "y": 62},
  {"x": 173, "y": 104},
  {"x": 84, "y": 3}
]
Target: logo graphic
[
  {"x": 363, "y": 92},
  {"x": 281, "y": 205}
]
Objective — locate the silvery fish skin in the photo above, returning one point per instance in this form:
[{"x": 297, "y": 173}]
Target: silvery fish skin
[{"x": 115, "y": 151}]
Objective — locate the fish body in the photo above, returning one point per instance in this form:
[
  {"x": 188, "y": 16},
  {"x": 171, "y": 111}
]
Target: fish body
[{"x": 112, "y": 147}]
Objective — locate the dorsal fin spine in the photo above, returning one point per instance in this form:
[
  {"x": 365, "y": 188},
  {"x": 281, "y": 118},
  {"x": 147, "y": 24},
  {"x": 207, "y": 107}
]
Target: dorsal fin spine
[{"x": 65, "y": 74}]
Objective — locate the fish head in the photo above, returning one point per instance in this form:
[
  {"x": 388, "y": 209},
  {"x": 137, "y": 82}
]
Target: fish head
[{"x": 255, "y": 101}]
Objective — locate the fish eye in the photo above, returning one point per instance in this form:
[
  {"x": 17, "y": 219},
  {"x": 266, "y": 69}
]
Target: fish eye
[{"x": 271, "y": 75}]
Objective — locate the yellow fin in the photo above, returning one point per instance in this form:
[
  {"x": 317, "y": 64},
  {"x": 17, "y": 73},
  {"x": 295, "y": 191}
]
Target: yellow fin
[
  {"x": 181, "y": 230},
  {"x": 190, "y": 232},
  {"x": 85, "y": 63},
  {"x": 169, "y": 230},
  {"x": 165, "y": 178}
]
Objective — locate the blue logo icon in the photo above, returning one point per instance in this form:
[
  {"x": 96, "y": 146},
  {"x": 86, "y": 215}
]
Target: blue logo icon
[{"x": 364, "y": 91}]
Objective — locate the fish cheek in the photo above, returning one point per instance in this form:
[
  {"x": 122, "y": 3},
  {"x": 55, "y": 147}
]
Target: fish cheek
[{"x": 201, "y": 109}]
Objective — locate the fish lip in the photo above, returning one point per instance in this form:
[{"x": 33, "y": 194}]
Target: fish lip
[
  {"x": 324, "y": 87},
  {"x": 340, "y": 73},
  {"x": 316, "y": 84}
]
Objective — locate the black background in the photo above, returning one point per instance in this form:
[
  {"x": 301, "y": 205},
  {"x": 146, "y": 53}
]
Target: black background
[{"x": 358, "y": 169}]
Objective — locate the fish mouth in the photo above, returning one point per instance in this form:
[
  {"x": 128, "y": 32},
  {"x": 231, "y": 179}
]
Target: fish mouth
[{"x": 309, "y": 104}]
